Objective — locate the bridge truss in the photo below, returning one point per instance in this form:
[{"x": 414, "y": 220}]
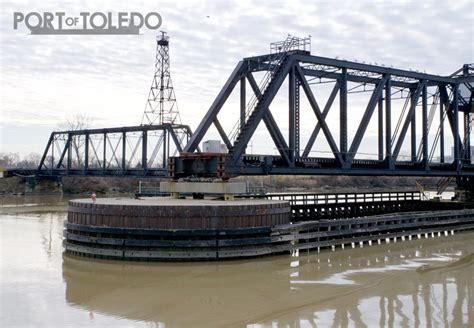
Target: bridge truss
[
  {"x": 124, "y": 151},
  {"x": 437, "y": 108}
]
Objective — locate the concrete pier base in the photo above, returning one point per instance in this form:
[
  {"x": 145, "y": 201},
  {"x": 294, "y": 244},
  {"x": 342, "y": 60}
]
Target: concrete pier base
[{"x": 226, "y": 189}]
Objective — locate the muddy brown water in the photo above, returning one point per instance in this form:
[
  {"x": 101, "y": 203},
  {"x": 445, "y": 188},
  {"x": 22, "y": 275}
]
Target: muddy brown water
[{"x": 418, "y": 283}]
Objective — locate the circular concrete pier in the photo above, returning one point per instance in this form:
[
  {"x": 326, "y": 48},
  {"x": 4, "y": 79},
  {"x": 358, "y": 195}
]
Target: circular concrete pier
[{"x": 160, "y": 228}]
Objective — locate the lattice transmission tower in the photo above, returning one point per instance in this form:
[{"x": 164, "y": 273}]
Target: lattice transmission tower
[{"x": 161, "y": 106}]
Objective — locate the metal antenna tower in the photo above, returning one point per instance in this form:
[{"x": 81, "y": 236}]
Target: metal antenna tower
[{"x": 161, "y": 106}]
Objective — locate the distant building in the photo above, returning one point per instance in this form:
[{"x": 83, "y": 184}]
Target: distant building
[{"x": 213, "y": 146}]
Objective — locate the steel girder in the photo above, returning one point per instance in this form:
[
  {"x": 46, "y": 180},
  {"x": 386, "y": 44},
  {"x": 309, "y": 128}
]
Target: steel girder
[
  {"x": 216, "y": 106},
  {"x": 304, "y": 70},
  {"x": 123, "y": 151}
]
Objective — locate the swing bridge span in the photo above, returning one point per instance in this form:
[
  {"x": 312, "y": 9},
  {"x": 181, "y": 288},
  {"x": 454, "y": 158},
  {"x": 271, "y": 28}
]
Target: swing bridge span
[{"x": 410, "y": 141}]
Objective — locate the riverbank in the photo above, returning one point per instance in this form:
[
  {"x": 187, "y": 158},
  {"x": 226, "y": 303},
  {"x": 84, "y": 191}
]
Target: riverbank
[{"x": 114, "y": 185}]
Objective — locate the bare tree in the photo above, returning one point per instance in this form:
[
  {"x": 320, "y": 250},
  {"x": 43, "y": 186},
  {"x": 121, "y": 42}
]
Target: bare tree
[
  {"x": 13, "y": 160},
  {"x": 30, "y": 161},
  {"x": 77, "y": 121},
  {"x": 9, "y": 160}
]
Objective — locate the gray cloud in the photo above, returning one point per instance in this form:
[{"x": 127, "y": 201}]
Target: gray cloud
[{"x": 46, "y": 78}]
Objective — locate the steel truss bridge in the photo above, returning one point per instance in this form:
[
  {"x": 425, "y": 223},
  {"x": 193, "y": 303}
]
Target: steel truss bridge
[
  {"x": 124, "y": 151},
  {"x": 441, "y": 104},
  {"x": 405, "y": 103}
]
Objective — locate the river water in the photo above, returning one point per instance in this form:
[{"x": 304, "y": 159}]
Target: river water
[{"x": 418, "y": 283}]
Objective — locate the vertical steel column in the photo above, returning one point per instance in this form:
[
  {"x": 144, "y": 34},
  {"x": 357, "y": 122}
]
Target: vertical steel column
[
  {"x": 388, "y": 121},
  {"x": 86, "y": 153},
  {"x": 69, "y": 152},
  {"x": 52, "y": 154},
  {"x": 292, "y": 116},
  {"x": 297, "y": 118},
  {"x": 144, "y": 150},
  {"x": 380, "y": 128},
  {"x": 124, "y": 150},
  {"x": 467, "y": 127},
  {"x": 104, "y": 161},
  {"x": 441, "y": 125},
  {"x": 243, "y": 103},
  {"x": 456, "y": 126},
  {"x": 168, "y": 147},
  {"x": 424, "y": 118},
  {"x": 467, "y": 137},
  {"x": 413, "y": 126},
  {"x": 165, "y": 149},
  {"x": 343, "y": 115}
]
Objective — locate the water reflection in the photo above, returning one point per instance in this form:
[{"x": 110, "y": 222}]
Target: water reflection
[
  {"x": 419, "y": 283},
  {"x": 412, "y": 284},
  {"x": 34, "y": 200}
]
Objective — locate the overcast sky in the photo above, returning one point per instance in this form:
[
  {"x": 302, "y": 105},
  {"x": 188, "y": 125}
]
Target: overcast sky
[{"x": 46, "y": 79}]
